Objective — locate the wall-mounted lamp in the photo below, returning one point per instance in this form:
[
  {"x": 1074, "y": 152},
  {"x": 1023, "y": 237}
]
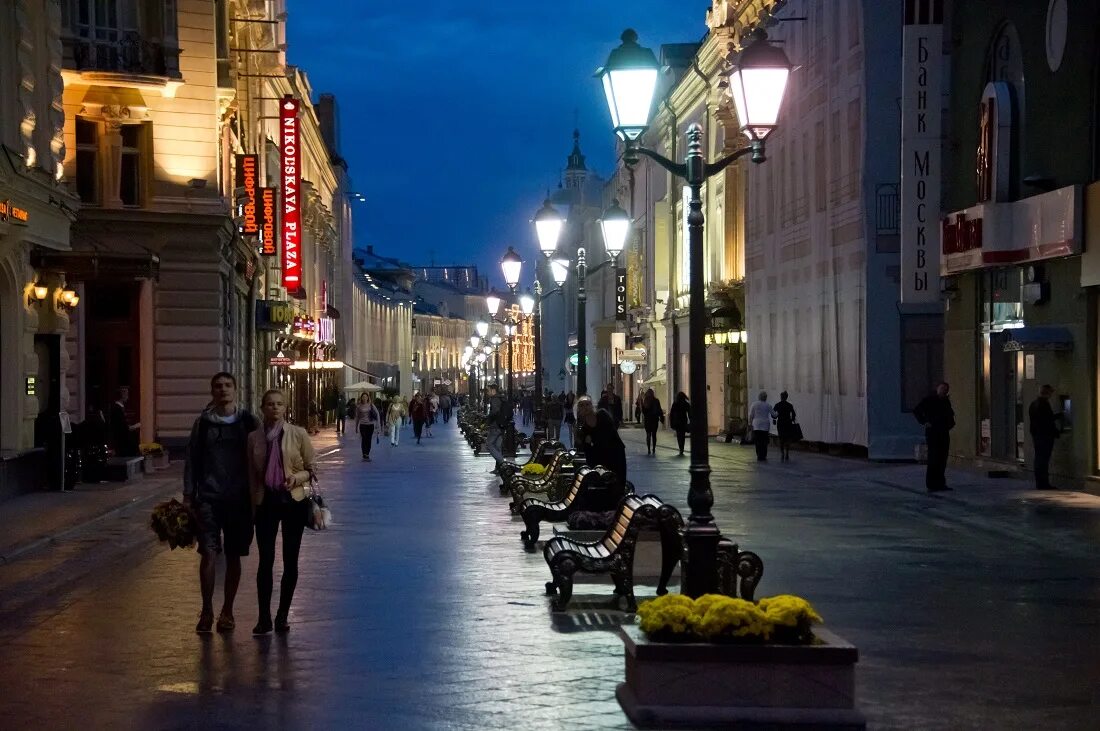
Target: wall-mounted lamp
[
  {"x": 68, "y": 299},
  {"x": 37, "y": 293}
]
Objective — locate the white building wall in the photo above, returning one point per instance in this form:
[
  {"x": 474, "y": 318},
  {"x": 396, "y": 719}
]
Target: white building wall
[{"x": 806, "y": 244}]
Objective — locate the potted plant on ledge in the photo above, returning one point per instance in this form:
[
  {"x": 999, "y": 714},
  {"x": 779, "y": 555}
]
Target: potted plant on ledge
[
  {"x": 156, "y": 457},
  {"x": 718, "y": 660}
]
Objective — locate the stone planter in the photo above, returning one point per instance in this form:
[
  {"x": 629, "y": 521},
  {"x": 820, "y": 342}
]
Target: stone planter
[{"x": 748, "y": 686}]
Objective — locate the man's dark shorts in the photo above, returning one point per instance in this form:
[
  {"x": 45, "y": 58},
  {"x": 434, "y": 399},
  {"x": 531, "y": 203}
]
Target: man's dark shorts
[{"x": 232, "y": 519}]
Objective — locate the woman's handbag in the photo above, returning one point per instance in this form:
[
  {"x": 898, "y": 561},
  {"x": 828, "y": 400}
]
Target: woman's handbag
[
  {"x": 795, "y": 432},
  {"x": 319, "y": 516}
]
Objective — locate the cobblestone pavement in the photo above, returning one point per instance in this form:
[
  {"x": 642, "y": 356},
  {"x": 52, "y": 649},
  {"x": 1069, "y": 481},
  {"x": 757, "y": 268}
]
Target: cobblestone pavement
[{"x": 419, "y": 610}]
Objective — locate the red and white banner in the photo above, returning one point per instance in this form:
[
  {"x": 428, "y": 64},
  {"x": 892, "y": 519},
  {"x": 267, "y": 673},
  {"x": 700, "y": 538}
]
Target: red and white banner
[{"x": 292, "y": 183}]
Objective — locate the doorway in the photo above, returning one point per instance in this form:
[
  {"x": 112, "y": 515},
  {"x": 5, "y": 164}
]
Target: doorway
[{"x": 113, "y": 359}]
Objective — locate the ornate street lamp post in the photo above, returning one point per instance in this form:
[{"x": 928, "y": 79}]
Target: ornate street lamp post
[{"x": 757, "y": 82}]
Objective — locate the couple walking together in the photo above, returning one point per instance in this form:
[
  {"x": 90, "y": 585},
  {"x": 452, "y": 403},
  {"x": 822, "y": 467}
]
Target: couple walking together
[{"x": 244, "y": 475}]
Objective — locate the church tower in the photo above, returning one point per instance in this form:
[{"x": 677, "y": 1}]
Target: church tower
[{"x": 575, "y": 171}]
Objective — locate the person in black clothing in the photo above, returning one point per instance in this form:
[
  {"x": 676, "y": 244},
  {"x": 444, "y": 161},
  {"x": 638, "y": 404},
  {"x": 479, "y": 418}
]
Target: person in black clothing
[
  {"x": 784, "y": 416},
  {"x": 1044, "y": 430},
  {"x": 599, "y": 438},
  {"x": 652, "y": 413},
  {"x": 123, "y": 435},
  {"x": 934, "y": 412},
  {"x": 679, "y": 418}
]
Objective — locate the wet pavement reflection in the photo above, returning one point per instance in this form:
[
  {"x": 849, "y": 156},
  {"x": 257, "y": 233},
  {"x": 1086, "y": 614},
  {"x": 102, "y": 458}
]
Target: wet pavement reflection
[{"x": 420, "y": 610}]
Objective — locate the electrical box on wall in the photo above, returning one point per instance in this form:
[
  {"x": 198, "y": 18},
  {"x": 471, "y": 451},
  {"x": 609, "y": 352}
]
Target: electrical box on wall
[{"x": 1035, "y": 293}]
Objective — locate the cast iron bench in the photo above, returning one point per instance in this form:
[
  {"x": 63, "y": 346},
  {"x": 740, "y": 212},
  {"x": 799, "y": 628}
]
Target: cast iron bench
[
  {"x": 591, "y": 489},
  {"x": 542, "y": 455},
  {"x": 561, "y": 463},
  {"x": 614, "y": 553}
]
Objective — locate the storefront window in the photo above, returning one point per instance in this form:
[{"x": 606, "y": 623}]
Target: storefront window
[{"x": 1000, "y": 373}]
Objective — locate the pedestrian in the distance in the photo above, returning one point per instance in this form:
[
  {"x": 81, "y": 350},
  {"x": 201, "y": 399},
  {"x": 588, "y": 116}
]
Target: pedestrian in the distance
[
  {"x": 215, "y": 489},
  {"x": 418, "y": 412},
  {"x": 347, "y": 412},
  {"x": 500, "y": 415},
  {"x": 760, "y": 419},
  {"x": 281, "y": 464},
  {"x": 614, "y": 404},
  {"x": 393, "y": 422},
  {"x": 937, "y": 417},
  {"x": 367, "y": 419},
  {"x": 445, "y": 407},
  {"x": 570, "y": 417},
  {"x": 1044, "y": 427},
  {"x": 554, "y": 415},
  {"x": 785, "y": 419},
  {"x": 679, "y": 418},
  {"x": 652, "y": 415}
]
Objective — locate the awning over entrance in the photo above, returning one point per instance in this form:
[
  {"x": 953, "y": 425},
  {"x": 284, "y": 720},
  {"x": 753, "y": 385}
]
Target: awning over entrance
[
  {"x": 658, "y": 376},
  {"x": 1039, "y": 338}
]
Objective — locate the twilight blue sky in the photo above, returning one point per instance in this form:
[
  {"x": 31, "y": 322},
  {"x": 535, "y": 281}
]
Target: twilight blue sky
[{"x": 457, "y": 116}]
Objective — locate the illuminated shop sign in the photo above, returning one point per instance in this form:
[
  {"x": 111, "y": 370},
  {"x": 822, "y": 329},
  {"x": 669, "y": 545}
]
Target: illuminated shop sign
[
  {"x": 267, "y": 221},
  {"x": 292, "y": 182},
  {"x": 274, "y": 314},
  {"x": 326, "y": 330},
  {"x": 304, "y": 327},
  {"x": 620, "y": 293},
  {"x": 247, "y": 166},
  {"x": 11, "y": 213}
]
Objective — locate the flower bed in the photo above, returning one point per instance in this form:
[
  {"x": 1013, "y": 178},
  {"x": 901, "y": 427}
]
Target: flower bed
[
  {"x": 722, "y": 661},
  {"x": 533, "y": 469}
]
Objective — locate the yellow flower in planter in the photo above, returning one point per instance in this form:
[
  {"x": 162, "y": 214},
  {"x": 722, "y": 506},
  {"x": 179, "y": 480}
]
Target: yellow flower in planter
[
  {"x": 789, "y": 611},
  {"x": 534, "y": 469},
  {"x": 734, "y": 618},
  {"x": 672, "y": 614}
]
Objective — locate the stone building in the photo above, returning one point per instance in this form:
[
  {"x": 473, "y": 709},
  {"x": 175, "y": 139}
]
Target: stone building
[
  {"x": 36, "y": 212},
  {"x": 1020, "y": 254}
]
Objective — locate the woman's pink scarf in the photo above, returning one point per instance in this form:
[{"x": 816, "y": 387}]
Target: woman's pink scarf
[{"x": 274, "y": 476}]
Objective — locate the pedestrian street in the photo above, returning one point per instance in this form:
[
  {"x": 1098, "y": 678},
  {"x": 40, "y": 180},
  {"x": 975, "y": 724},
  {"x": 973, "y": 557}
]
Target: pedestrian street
[{"x": 419, "y": 608}]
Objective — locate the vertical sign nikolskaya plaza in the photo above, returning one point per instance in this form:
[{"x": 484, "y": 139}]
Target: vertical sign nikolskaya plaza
[
  {"x": 921, "y": 113},
  {"x": 292, "y": 180}
]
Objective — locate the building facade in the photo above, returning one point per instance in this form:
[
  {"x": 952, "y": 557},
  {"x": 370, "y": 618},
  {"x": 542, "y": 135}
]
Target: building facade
[
  {"x": 1019, "y": 236},
  {"x": 36, "y": 213},
  {"x": 821, "y": 244}
]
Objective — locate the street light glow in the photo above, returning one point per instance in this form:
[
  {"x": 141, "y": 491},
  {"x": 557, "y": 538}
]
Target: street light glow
[
  {"x": 615, "y": 225},
  {"x": 510, "y": 265},
  {"x": 560, "y": 270},
  {"x": 527, "y": 303},
  {"x": 548, "y": 225},
  {"x": 758, "y": 83},
  {"x": 492, "y": 301},
  {"x": 629, "y": 81},
  {"x": 482, "y": 328}
]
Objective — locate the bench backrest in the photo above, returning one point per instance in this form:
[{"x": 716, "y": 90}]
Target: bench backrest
[
  {"x": 630, "y": 505},
  {"x": 578, "y": 481}
]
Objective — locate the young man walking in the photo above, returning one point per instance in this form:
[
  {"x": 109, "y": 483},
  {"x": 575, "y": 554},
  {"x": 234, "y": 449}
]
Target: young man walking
[
  {"x": 216, "y": 489},
  {"x": 1044, "y": 430}
]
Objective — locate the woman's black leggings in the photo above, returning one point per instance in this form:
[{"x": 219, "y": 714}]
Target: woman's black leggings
[
  {"x": 276, "y": 509},
  {"x": 366, "y": 434},
  {"x": 680, "y": 435},
  {"x": 651, "y": 439}
]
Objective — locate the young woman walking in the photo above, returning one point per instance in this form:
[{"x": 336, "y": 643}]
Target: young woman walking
[
  {"x": 280, "y": 463},
  {"x": 393, "y": 421},
  {"x": 366, "y": 421},
  {"x": 652, "y": 413}
]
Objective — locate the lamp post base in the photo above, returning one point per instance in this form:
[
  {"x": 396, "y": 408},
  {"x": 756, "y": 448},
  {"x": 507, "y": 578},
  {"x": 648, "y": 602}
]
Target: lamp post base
[
  {"x": 700, "y": 561},
  {"x": 508, "y": 448}
]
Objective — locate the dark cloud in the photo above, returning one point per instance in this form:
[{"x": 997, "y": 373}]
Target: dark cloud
[{"x": 456, "y": 117}]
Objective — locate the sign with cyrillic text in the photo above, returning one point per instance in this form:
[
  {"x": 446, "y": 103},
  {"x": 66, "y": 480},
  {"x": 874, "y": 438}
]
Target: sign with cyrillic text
[
  {"x": 291, "y": 185},
  {"x": 921, "y": 109}
]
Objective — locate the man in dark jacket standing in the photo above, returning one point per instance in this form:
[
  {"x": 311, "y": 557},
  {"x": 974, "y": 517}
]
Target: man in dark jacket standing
[
  {"x": 216, "y": 489},
  {"x": 938, "y": 418},
  {"x": 1044, "y": 430}
]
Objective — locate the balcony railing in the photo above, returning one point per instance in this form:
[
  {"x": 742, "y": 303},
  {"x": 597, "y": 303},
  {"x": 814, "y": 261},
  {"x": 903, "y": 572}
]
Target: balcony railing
[
  {"x": 887, "y": 208},
  {"x": 130, "y": 54}
]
